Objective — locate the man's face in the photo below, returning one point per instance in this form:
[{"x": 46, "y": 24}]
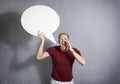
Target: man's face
[{"x": 63, "y": 42}]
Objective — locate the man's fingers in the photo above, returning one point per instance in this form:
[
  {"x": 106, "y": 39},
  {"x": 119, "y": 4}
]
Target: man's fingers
[
  {"x": 41, "y": 33},
  {"x": 68, "y": 42}
]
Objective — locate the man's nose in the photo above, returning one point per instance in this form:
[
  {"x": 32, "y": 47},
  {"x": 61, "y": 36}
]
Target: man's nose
[{"x": 64, "y": 40}]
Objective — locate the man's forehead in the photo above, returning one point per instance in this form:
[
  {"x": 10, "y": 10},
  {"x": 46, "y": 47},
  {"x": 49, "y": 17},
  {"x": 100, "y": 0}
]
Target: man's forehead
[{"x": 63, "y": 36}]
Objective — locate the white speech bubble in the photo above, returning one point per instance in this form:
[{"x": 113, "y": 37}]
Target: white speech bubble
[{"x": 40, "y": 18}]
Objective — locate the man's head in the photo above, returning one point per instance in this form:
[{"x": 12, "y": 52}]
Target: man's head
[{"x": 62, "y": 40}]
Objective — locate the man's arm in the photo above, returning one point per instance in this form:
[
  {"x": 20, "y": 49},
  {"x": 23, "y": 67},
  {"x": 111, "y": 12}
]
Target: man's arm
[
  {"x": 41, "y": 54},
  {"x": 79, "y": 58}
]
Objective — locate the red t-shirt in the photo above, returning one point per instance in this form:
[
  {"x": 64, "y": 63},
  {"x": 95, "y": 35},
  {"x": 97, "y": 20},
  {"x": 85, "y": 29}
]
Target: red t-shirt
[{"x": 62, "y": 63}]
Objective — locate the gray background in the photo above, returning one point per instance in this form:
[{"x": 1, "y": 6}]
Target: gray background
[{"x": 93, "y": 26}]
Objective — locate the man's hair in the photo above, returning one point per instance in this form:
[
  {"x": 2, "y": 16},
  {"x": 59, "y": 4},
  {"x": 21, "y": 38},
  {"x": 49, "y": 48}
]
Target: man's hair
[{"x": 63, "y": 33}]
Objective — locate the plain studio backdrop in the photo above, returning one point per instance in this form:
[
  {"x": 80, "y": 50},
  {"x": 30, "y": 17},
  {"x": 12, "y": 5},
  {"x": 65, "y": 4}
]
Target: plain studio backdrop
[{"x": 93, "y": 26}]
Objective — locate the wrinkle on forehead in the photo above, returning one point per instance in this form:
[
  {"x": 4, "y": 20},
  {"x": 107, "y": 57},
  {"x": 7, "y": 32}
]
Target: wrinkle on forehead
[{"x": 63, "y": 37}]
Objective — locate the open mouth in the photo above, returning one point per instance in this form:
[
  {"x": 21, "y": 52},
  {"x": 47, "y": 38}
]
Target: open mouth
[{"x": 64, "y": 45}]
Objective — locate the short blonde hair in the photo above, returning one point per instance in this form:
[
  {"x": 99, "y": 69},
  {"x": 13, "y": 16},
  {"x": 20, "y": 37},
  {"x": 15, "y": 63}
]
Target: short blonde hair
[{"x": 62, "y": 33}]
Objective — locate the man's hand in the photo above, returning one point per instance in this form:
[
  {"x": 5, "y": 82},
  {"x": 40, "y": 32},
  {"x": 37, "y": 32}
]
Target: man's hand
[
  {"x": 79, "y": 58},
  {"x": 41, "y": 35},
  {"x": 69, "y": 45}
]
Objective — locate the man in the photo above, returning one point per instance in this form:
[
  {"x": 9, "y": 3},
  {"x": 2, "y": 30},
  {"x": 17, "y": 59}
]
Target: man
[{"x": 62, "y": 58}]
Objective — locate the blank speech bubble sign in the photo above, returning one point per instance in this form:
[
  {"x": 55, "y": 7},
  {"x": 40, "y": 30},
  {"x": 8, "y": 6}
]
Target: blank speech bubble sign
[{"x": 40, "y": 18}]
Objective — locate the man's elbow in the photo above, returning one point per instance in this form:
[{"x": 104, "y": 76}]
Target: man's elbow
[
  {"x": 38, "y": 58},
  {"x": 84, "y": 63}
]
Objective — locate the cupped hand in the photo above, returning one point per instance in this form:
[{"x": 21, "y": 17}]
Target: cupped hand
[{"x": 69, "y": 45}]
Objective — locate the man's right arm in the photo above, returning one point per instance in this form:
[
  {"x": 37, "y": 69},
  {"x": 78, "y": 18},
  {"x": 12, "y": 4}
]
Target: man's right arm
[{"x": 41, "y": 54}]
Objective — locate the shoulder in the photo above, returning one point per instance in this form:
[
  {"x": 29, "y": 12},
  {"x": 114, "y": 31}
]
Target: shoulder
[
  {"x": 53, "y": 48},
  {"x": 77, "y": 50}
]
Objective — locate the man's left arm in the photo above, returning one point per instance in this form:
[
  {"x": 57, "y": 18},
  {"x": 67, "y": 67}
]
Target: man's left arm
[{"x": 78, "y": 57}]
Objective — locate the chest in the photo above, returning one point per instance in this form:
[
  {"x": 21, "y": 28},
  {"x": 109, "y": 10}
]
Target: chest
[{"x": 62, "y": 58}]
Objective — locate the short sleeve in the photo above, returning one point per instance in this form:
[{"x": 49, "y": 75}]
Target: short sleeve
[{"x": 76, "y": 50}]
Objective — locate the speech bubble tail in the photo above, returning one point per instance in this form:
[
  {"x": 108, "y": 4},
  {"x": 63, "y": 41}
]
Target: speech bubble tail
[{"x": 50, "y": 37}]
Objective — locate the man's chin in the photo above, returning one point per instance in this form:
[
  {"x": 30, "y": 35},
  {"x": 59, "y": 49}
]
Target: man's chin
[{"x": 64, "y": 49}]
